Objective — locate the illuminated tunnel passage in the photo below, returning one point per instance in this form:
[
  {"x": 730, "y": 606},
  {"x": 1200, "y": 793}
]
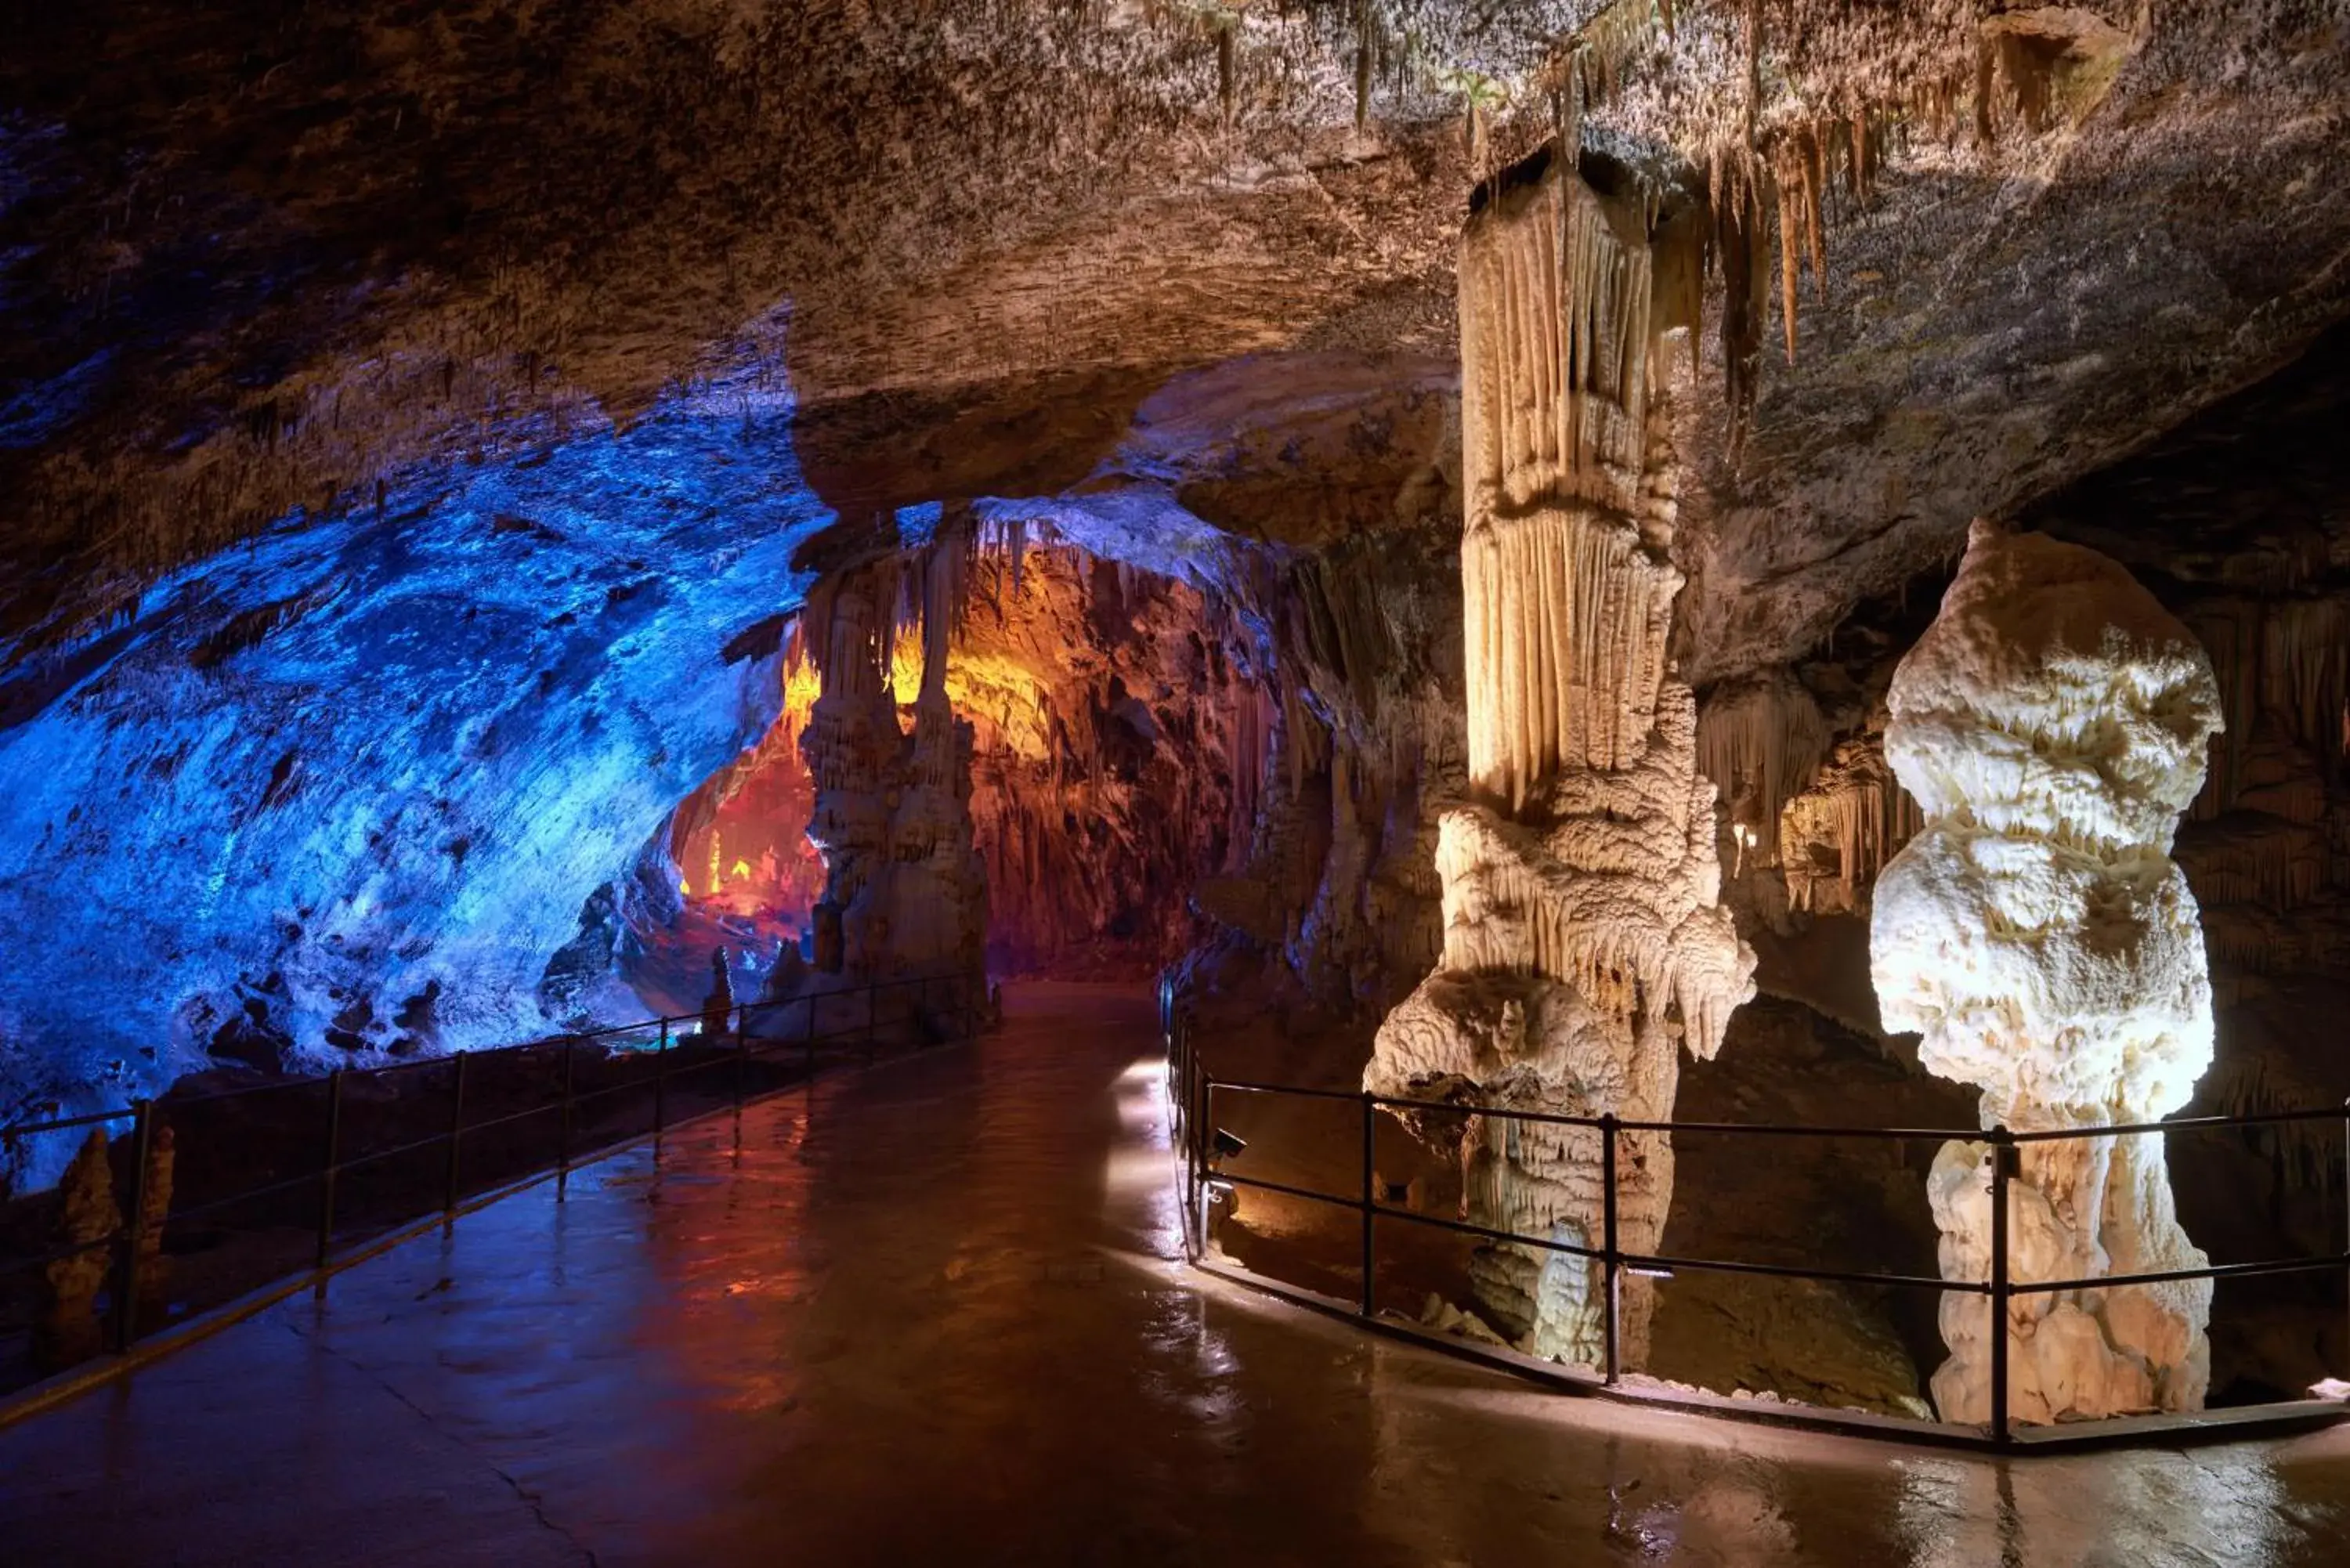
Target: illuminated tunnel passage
[
  {"x": 938, "y": 1316},
  {"x": 1122, "y": 723}
]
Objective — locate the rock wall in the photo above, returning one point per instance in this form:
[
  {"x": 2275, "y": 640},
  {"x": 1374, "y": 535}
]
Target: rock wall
[
  {"x": 1332, "y": 910},
  {"x": 340, "y": 795},
  {"x": 1122, "y": 727},
  {"x": 1583, "y": 942},
  {"x": 2052, "y": 725}
]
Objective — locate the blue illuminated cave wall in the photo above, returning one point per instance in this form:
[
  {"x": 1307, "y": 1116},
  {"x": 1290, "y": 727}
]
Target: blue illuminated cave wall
[
  {"x": 398, "y": 780},
  {"x": 349, "y": 788}
]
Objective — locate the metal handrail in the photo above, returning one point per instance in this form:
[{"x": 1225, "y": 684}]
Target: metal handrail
[
  {"x": 119, "y": 1113},
  {"x": 133, "y": 1220},
  {"x": 66, "y": 1124},
  {"x": 1191, "y": 1096}
]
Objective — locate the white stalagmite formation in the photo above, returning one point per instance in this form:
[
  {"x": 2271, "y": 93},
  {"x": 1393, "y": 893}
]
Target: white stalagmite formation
[
  {"x": 1584, "y": 941},
  {"x": 2052, "y": 725}
]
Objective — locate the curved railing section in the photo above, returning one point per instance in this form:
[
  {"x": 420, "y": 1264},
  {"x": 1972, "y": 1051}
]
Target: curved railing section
[{"x": 1205, "y": 1152}]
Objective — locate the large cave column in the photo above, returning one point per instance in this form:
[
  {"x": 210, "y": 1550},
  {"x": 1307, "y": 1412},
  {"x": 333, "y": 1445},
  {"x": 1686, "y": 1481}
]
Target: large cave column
[
  {"x": 1585, "y": 944},
  {"x": 941, "y": 877},
  {"x": 2052, "y": 725},
  {"x": 903, "y": 881},
  {"x": 852, "y": 745}
]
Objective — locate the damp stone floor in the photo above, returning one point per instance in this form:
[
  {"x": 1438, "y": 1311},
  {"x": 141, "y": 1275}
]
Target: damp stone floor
[{"x": 935, "y": 1317}]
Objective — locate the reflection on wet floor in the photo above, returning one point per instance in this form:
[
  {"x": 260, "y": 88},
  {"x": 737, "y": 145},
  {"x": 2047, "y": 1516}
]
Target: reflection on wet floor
[{"x": 936, "y": 1318}]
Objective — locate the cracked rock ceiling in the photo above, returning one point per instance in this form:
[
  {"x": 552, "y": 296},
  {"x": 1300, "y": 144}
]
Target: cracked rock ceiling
[{"x": 256, "y": 258}]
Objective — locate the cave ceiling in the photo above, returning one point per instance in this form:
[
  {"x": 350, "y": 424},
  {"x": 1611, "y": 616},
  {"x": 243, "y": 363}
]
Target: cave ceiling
[{"x": 259, "y": 260}]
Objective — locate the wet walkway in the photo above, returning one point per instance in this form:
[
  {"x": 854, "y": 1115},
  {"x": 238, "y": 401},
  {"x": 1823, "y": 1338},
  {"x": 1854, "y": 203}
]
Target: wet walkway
[{"x": 933, "y": 1319}]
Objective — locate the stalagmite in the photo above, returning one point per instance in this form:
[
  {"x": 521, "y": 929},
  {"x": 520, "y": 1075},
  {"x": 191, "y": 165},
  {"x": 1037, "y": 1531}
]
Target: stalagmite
[
  {"x": 154, "y": 1214},
  {"x": 2052, "y": 725},
  {"x": 1584, "y": 939},
  {"x": 68, "y": 1331},
  {"x": 718, "y": 1006}
]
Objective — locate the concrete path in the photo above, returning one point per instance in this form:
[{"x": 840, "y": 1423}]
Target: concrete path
[{"x": 935, "y": 1320}]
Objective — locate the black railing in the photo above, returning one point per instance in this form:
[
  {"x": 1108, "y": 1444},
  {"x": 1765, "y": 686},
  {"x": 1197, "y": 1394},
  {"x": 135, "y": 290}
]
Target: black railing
[
  {"x": 670, "y": 1065},
  {"x": 1191, "y": 1109}
]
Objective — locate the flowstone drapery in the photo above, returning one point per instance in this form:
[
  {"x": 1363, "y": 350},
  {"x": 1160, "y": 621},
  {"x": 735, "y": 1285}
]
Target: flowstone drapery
[
  {"x": 1583, "y": 942},
  {"x": 2052, "y": 725}
]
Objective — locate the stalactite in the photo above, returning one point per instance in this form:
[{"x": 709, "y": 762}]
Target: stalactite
[
  {"x": 1790, "y": 237},
  {"x": 1859, "y": 816},
  {"x": 1761, "y": 742}
]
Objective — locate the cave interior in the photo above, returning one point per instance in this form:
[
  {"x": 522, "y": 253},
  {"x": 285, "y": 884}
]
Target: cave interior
[{"x": 503, "y": 502}]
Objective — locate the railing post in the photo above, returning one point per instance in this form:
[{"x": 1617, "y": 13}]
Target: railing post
[
  {"x": 1194, "y": 1090},
  {"x": 870, "y": 1046},
  {"x": 660, "y": 1081},
  {"x": 1610, "y": 1258},
  {"x": 330, "y": 1170},
  {"x": 456, "y": 1137},
  {"x": 1371, "y": 1209},
  {"x": 134, "y": 1233},
  {"x": 808, "y": 1043},
  {"x": 2003, "y": 1156},
  {"x": 742, "y": 1071},
  {"x": 2346, "y": 1204},
  {"x": 1205, "y": 1085},
  {"x": 563, "y": 1138}
]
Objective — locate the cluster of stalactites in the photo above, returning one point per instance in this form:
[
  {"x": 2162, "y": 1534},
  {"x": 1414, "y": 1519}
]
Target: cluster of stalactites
[
  {"x": 1566, "y": 590},
  {"x": 1560, "y": 328},
  {"x": 1861, "y": 814},
  {"x": 1567, "y": 619},
  {"x": 1759, "y": 740},
  {"x": 2283, "y": 667},
  {"x": 1819, "y": 93}
]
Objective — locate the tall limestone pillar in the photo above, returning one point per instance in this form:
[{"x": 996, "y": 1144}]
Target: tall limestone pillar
[
  {"x": 892, "y": 818},
  {"x": 1584, "y": 942}
]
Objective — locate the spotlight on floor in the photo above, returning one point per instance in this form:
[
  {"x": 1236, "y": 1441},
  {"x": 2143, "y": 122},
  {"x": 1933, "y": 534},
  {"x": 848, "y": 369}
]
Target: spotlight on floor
[
  {"x": 1225, "y": 1145},
  {"x": 1218, "y": 1190}
]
